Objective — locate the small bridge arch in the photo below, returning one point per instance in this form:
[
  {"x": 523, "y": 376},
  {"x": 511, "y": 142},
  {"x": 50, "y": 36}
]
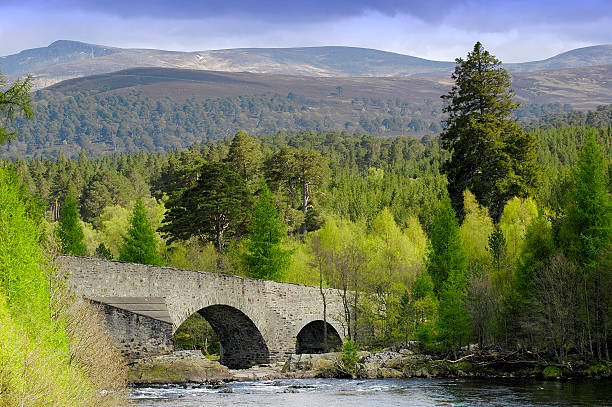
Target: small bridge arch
[{"x": 257, "y": 321}]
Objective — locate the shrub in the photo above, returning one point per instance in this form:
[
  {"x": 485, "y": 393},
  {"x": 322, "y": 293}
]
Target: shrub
[{"x": 349, "y": 356}]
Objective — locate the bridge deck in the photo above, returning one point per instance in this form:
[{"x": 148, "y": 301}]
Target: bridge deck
[{"x": 152, "y": 307}]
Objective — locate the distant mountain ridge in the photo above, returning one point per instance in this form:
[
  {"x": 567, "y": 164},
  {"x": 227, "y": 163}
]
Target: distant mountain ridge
[{"x": 72, "y": 59}]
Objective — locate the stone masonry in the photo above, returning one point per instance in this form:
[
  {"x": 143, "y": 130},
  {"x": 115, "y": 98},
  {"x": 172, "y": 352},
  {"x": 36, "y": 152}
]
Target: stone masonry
[{"x": 257, "y": 321}]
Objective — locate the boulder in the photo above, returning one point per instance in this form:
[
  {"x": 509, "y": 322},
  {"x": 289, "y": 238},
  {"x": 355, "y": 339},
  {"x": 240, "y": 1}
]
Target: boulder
[{"x": 178, "y": 367}]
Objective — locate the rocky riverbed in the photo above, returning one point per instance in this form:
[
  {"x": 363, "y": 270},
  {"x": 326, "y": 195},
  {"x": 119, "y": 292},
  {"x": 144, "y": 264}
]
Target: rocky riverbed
[{"x": 192, "y": 367}]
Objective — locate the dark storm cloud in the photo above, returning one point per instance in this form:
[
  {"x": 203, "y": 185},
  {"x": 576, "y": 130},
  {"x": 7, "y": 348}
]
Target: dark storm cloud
[
  {"x": 316, "y": 10},
  {"x": 488, "y": 13}
]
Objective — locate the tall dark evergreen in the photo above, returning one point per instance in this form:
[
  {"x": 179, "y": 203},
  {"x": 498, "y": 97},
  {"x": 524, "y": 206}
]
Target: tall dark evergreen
[
  {"x": 245, "y": 157},
  {"x": 70, "y": 232},
  {"x": 215, "y": 207},
  {"x": 490, "y": 154},
  {"x": 140, "y": 245}
]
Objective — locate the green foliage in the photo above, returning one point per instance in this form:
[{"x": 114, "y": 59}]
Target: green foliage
[
  {"x": 265, "y": 257},
  {"x": 517, "y": 215},
  {"x": 587, "y": 227},
  {"x": 490, "y": 154},
  {"x": 216, "y": 206},
  {"x": 447, "y": 266},
  {"x": 196, "y": 333},
  {"x": 70, "y": 231},
  {"x": 349, "y": 356},
  {"x": 378, "y": 197},
  {"x": 445, "y": 256},
  {"x": 191, "y": 255},
  {"x": 476, "y": 230},
  {"x": 552, "y": 372},
  {"x": 244, "y": 157},
  {"x": 420, "y": 306},
  {"x": 538, "y": 248},
  {"x": 103, "y": 252},
  {"x": 453, "y": 322},
  {"x": 14, "y": 101},
  {"x": 140, "y": 244},
  {"x": 497, "y": 247},
  {"x": 36, "y": 356}
]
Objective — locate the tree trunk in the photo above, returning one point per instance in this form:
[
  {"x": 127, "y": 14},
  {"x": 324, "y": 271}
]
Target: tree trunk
[
  {"x": 324, "y": 307},
  {"x": 347, "y": 311},
  {"x": 292, "y": 191}
]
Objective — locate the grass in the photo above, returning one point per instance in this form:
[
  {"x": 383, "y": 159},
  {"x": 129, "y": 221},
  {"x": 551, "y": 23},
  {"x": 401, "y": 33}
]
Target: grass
[{"x": 53, "y": 351}]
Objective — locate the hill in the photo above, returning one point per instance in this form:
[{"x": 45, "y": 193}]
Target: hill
[
  {"x": 70, "y": 59},
  {"x": 159, "y": 109}
]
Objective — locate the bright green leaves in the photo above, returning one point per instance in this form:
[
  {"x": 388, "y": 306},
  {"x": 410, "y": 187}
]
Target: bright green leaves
[
  {"x": 266, "y": 258},
  {"x": 140, "y": 243}
]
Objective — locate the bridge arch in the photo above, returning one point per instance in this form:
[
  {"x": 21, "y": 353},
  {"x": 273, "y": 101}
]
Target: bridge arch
[
  {"x": 241, "y": 343},
  {"x": 240, "y": 326},
  {"x": 310, "y": 339}
]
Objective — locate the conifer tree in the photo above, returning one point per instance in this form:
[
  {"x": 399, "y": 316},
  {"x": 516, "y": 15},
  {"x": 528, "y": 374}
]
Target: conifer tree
[
  {"x": 14, "y": 101},
  {"x": 453, "y": 322},
  {"x": 244, "y": 157},
  {"x": 265, "y": 257},
  {"x": 587, "y": 228},
  {"x": 140, "y": 246},
  {"x": 446, "y": 254},
  {"x": 490, "y": 154},
  {"x": 70, "y": 231},
  {"x": 215, "y": 207},
  {"x": 447, "y": 266}
]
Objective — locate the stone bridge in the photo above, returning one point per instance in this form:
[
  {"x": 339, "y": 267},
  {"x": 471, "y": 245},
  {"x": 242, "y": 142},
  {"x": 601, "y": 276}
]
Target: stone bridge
[{"x": 256, "y": 321}]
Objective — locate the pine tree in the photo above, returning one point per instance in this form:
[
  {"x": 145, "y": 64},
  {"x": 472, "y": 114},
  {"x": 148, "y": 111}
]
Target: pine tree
[
  {"x": 446, "y": 254},
  {"x": 453, "y": 321},
  {"x": 447, "y": 266},
  {"x": 14, "y": 101},
  {"x": 140, "y": 245},
  {"x": 587, "y": 228},
  {"x": 490, "y": 154},
  {"x": 70, "y": 232},
  {"x": 586, "y": 238},
  {"x": 244, "y": 157},
  {"x": 265, "y": 257},
  {"x": 215, "y": 206}
]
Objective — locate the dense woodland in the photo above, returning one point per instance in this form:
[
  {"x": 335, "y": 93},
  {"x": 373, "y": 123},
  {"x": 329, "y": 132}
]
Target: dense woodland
[
  {"x": 509, "y": 247},
  {"x": 133, "y": 122},
  {"x": 370, "y": 214}
]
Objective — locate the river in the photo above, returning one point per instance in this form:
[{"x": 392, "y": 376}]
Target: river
[{"x": 383, "y": 393}]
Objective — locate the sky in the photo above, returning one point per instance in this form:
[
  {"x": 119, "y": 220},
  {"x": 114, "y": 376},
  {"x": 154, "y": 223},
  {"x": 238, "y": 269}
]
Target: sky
[{"x": 513, "y": 30}]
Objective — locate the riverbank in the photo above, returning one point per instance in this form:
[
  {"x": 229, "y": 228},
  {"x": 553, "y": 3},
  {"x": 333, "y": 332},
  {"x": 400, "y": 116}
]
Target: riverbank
[{"x": 192, "y": 367}]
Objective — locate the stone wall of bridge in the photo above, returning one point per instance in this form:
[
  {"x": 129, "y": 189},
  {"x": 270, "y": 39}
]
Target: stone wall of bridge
[{"x": 233, "y": 305}]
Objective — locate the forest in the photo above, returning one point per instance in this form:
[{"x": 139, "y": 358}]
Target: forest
[
  {"x": 503, "y": 242},
  {"x": 133, "y": 121},
  {"x": 371, "y": 218}
]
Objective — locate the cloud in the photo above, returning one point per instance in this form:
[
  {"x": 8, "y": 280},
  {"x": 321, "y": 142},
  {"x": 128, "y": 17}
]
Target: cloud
[
  {"x": 265, "y": 10},
  {"x": 514, "y": 30}
]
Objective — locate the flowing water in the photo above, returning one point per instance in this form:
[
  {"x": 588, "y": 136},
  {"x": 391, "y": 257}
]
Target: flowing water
[{"x": 384, "y": 393}]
